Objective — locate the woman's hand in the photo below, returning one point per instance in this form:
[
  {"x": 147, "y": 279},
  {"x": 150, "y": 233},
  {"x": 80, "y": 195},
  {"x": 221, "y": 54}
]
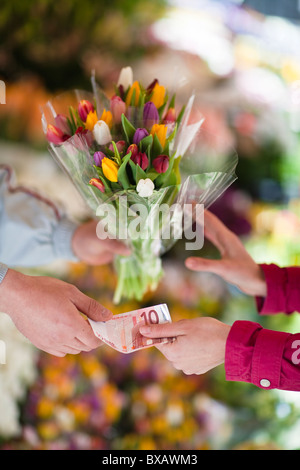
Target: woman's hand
[{"x": 236, "y": 265}]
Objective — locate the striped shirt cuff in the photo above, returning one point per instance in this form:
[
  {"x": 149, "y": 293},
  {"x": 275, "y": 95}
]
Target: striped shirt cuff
[{"x": 3, "y": 271}]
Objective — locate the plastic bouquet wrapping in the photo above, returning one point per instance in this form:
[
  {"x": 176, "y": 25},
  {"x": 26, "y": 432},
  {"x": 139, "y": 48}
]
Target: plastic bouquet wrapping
[{"x": 138, "y": 161}]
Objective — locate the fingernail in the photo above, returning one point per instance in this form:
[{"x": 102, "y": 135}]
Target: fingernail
[{"x": 145, "y": 330}]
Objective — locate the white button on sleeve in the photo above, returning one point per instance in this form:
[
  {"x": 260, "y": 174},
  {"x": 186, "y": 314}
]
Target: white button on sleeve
[{"x": 265, "y": 383}]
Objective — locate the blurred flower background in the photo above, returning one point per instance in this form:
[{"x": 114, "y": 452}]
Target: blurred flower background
[{"x": 243, "y": 60}]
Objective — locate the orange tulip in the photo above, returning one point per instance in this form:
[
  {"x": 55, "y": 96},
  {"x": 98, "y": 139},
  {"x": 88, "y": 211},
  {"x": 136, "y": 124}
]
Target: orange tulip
[
  {"x": 161, "y": 132},
  {"x": 158, "y": 95},
  {"x": 134, "y": 87},
  {"x": 91, "y": 120}
]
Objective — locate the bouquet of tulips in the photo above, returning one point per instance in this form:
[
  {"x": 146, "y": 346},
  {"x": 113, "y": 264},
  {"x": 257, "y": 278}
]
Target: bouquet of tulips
[{"x": 129, "y": 156}]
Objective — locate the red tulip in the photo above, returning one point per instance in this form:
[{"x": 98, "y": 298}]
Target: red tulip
[
  {"x": 98, "y": 184},
  {"x": 84, "y": 108},
  {"x": 161, "y": 163},
  {"x": 133, "y": 148},
  {"x": 140, "y": 159}
]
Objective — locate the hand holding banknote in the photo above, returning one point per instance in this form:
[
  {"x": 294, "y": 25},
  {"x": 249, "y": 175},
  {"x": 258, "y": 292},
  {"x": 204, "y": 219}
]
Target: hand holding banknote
[
  {"x": 122, "y": 332},
  {"x": 199, "y": 343}
]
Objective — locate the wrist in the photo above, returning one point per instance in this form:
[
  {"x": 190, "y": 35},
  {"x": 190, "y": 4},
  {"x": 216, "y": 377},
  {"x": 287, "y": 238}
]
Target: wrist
[
  {"x": 261, "y": 284},
  {"x": 9, "y": 288}
]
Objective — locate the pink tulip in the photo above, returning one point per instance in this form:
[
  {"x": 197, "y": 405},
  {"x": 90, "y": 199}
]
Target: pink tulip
[
  {"x": 118, "y": 107},
  {"x": 170, "y": 116},
  {"x": 61, "y": 122},
  {"x": 56, "y": 135},
  {"x": 120, "y": 146}
]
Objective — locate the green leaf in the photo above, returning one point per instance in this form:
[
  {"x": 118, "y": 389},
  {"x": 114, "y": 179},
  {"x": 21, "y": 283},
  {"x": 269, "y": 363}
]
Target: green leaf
[
  {"x": 122, "y": 172},
  {"x": 128, "y": 128},
  {"x": 157, "y": 147},
  {"x": 145, "y": 142},
  {"x": 140, "y": 174}
]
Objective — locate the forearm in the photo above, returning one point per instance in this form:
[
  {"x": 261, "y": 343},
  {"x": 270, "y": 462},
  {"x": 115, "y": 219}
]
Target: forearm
[
  {"x": 268, "y": 359},
  {"x": 33, "y": 231},
  {"x": 283, "y": 293}
]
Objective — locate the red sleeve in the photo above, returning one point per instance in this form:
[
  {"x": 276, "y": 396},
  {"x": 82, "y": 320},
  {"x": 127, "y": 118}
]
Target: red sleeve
[
  {"x": 283, "y": 290},
  {"x": 268, "y": 359}
]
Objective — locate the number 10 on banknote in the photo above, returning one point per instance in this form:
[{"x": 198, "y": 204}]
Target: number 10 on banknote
[{"x": 122, "y": 331}]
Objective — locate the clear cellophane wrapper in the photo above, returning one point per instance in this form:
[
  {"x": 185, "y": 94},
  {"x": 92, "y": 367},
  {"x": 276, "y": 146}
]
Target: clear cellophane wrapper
[{"x": 206, "y": 167}]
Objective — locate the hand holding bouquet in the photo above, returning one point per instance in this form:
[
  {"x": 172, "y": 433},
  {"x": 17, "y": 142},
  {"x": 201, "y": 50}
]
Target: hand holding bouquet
[{"x": 125, "y": 156}]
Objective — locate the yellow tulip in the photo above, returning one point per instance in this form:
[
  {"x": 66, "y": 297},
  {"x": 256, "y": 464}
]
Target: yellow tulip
[
  {"x": 158, "y": 95},
  {"x": 134, "y": 87},
  {"x": 107, "y": 117},
  {"x": 91, "y": 120},
  {"x": 161, "y": 131},
  {"x": 110, "y": 169}
]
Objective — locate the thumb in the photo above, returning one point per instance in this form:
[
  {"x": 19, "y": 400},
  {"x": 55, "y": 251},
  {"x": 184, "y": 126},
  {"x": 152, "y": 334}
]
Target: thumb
[
  {"x": 206, "y": 265},
  {"x": 91, "y": 308},
  {"x": 161, "y": 330}
]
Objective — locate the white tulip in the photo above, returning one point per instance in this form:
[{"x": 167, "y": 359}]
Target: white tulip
[
  {"x": 145, "y": 187},
  {"x": 102, "y": 133},
  {"x": 125, "y": 78}
]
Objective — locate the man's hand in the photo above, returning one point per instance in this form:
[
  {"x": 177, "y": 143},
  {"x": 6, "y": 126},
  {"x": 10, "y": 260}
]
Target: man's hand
[
  {"x": 93, "y": 251},
  {"x": 235, "y": 266},
  {"x": 48, "y": 312},
  {"x": 199, "y": 343}
]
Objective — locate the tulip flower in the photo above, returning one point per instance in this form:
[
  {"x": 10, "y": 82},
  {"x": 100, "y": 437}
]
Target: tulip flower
[
  {"x": 86, "y": 136},
  {"x": 84, "y": 108},
  {"x": 118, "y": 107},
  {"x": 91, "y": 120},
  {"x": 135, "y": 87},
  {"x": 56, "y": 135},
  {"x": 158, "y": 95},
  {"x": 120, "y": 146},
  {"x": 102, "y": 133},
  {"x": 140, "y": 159},
  {"x": 125, "y": 78},
  {"x": 61, "y": 122},
  {"x": 145, "y": 187},
  {"x": 161, "y": 132},
  {"x": 133, "y": 148},
  {"x": 98, "y": 184},
  {"x": 170, "y": 116},
  {"x": 161, "y": 163},
  {"x": 110, "y": 169},
  {"x": 152, "y": 85},
  {"x": 150, "y": 114},
  {"x": 139, "y": 134},
  {"x": 107, "y": 117},
  {"x": 98, "y": 157}
]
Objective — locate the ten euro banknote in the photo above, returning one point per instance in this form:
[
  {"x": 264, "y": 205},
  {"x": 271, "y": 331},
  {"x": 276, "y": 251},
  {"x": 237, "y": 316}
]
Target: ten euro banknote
[{"x": 122, "y": 331}]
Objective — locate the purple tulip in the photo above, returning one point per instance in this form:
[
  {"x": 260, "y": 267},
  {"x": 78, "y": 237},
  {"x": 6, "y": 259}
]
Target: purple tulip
[
  {"x": 139, "y": 134},
  {"x": 98, "y": 157},
  {"x": 150, "y": 114}
]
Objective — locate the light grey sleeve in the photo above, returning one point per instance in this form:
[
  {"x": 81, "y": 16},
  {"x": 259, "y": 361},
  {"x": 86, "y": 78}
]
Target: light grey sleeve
[{"x": 33, "y": 231}]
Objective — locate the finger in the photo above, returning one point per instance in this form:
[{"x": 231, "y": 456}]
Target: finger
[
  {"x": 216, "y": 232},
  {"x": 87, "y": 337},
  {"x": 206, "y": 265},
  {"x": 115, "y": 246},
  {"x": 163, "y": 330},
  {"x": 90, "y": 307}
]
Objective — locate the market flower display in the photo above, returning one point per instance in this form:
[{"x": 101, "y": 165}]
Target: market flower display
[{"x": 137, "y": 145}]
